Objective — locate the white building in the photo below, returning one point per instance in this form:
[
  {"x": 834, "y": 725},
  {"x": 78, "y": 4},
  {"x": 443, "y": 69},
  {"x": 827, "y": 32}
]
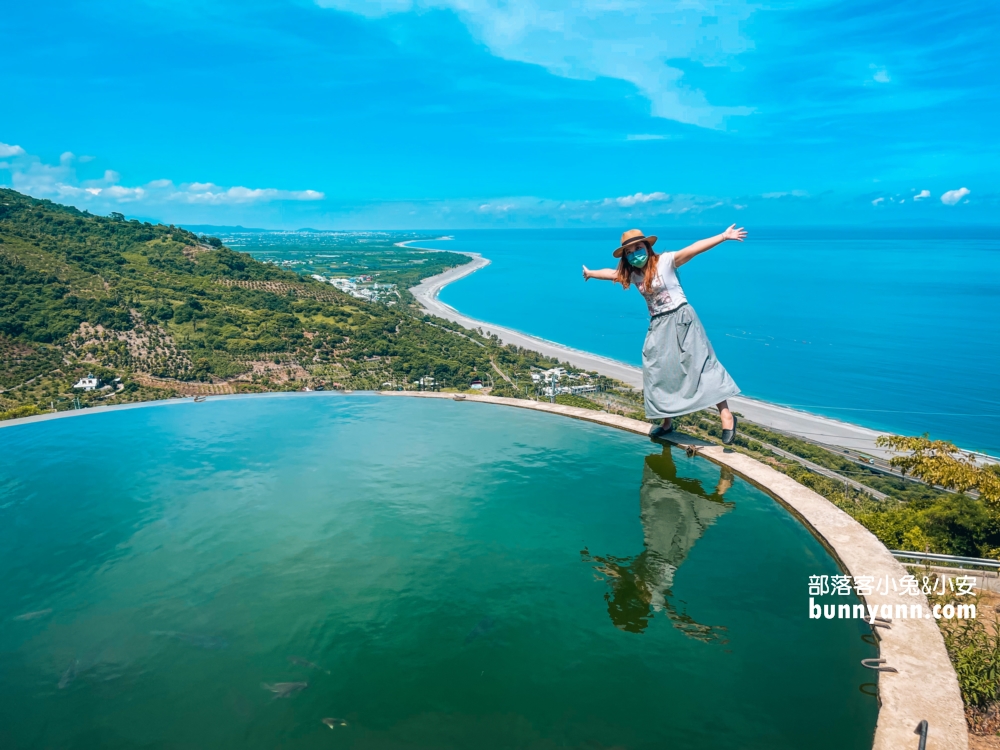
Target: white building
[
  {"x": 344, "y": 285},
  {"x": 374, "y": 293},
  {"x": 88, "y": 383},
  {"x": 546, "y": 375}
]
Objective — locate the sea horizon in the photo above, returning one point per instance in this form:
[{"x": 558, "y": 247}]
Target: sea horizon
[
  {"x": 776, "y": 365},
  {"x": 768, "y": 231}
]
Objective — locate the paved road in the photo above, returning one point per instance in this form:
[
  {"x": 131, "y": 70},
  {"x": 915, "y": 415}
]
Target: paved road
[{"x": 822, "y": 470}]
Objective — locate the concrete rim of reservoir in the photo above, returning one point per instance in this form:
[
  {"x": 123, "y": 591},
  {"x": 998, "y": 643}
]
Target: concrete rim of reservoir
[{"x": 924, "y": 686}]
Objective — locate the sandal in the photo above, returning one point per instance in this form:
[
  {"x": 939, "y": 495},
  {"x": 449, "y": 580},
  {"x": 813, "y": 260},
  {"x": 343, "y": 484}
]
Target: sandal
[{"x": 728, "y": 436}]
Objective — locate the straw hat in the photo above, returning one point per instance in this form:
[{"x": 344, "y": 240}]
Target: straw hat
[{"x": 631, "y": 238}]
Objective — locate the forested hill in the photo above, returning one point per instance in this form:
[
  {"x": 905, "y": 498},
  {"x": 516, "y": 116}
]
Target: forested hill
[{"x": 171, "y": 313}]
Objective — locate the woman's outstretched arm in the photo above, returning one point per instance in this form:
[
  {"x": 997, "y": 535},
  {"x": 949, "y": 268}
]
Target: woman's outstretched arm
[
  {"x": 683, "y": 256},
  {"x": 604, "y": 274}
]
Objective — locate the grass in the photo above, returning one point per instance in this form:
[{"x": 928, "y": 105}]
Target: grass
[{"x": 569, "y": 399}]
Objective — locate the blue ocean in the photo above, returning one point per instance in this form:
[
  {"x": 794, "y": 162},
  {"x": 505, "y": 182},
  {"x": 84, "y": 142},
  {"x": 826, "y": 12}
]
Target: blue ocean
[{"x": 895, "y": 330}]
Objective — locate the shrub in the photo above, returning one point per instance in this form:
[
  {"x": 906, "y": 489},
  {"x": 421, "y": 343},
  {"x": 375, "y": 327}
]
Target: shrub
[
  {"x": 28, "y": 410},
  {"x": 975, "y": 652}
]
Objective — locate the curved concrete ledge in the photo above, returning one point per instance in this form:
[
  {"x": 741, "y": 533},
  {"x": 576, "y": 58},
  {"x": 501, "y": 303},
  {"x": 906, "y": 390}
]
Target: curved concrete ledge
[{"x": 925, "y": 686}]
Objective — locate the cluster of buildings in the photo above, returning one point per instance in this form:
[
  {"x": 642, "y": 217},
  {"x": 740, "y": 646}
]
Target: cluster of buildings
[
  {"x": 352, "y": 286},
  {"x": 551, "y": 378}
]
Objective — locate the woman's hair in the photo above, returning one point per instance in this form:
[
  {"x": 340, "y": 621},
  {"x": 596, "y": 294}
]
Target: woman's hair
[{"x": 623, "y": 275}]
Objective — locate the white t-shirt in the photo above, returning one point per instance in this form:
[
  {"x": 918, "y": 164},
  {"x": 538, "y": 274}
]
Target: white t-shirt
[{"x": 666, "y": 293}]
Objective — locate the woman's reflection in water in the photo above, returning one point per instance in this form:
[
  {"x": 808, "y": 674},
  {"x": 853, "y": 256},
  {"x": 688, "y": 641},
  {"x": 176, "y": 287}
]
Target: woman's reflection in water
[{"x": 675, "y": 512}]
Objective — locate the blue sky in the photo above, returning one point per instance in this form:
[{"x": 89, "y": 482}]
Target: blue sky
[{"x": 491, "y": 113}]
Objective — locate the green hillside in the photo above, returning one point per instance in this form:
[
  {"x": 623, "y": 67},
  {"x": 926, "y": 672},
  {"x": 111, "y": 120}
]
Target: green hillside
[{"x": 172, "y": 313}]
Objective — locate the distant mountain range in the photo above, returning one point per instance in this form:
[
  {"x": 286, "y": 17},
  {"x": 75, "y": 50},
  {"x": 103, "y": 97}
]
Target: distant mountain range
[
  {"x": 212, "y": 229},
  {"x": 216, "y": 229}
]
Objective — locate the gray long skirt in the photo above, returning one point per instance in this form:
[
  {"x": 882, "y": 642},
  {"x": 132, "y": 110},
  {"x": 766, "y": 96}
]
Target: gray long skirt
[{"x": 680, "y": 373}]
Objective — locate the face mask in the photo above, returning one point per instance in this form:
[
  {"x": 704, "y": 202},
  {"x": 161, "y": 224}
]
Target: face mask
[{"x": 638, "y": 257}]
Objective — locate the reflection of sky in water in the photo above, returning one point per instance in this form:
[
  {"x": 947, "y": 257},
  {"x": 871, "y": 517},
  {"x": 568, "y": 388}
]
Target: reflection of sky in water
[{"x": 421, "y": 562}]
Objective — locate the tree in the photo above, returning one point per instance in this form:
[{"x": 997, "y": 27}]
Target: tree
[{"x": 942, "y": 463}]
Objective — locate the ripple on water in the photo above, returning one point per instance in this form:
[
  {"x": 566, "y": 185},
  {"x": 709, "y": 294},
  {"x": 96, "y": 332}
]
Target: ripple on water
[{"x": 431, "y": 574}]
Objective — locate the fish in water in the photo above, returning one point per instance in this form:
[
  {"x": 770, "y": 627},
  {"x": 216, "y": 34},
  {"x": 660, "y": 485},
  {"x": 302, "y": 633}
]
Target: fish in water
[
  {"x": 306, "y": 663},
  {"x": 334, "y": 723},
  {"x": 69, "y": 675},
  {"x": 284, "y": 689},
  {"x": 210, "y": 642},
  {"x": 483, "y": 627},
  {"x": 34, "y": 615}
]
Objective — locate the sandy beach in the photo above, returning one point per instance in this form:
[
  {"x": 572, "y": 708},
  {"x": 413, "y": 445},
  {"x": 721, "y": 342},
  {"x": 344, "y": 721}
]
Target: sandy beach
[{"x": 830, "y": 432}]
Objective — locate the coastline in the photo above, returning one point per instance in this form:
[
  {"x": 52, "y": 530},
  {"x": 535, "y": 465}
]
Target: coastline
[{"x": 826, "y": 431}]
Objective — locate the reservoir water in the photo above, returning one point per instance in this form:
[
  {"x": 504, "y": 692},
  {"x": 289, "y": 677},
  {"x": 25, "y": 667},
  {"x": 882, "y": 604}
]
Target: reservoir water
[
  {"x": 896, "y": 330},
  {"x": 435, "y": 574}
]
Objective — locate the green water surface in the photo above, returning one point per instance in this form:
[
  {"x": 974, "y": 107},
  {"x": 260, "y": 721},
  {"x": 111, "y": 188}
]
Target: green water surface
[{"x": 458, "y": 575}]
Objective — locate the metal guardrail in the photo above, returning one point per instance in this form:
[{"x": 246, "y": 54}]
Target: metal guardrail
[{"x": 978, "y": 562}]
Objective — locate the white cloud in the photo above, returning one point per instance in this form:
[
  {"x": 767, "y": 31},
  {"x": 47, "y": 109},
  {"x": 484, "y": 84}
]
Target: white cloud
[
  {"x": 785, "y": 194},
  {"x": 496, "y": 208},
  {"x": 881, "y": 76},
  {"x": 631, "y": 200},
  {"x": 529, "y": 210},
  {"x": 206, "y": 192},
  {"x": 645, "y": 137},
  {"x": 629, "y": 40},
  {"x": 877, "y": 201},
  {"x": 921, "y": 195},
  {"x": 119, "y": 193},
  {"x": 110, "y": 177},
  {"x": 8, "y": 150},
  {"x": 31, "y": 176},
  {"x": 951, "y": 197}
]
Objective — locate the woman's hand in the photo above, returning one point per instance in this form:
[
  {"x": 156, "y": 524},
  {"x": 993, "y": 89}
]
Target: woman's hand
[
  {"x": 683, "y": 256},
  {"x": 605, "y": 274},
  {"x": 734, "y": 234}
]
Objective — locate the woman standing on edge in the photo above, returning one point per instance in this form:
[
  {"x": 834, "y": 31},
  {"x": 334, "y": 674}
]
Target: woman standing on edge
[{"x": 680, "y": 373}]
